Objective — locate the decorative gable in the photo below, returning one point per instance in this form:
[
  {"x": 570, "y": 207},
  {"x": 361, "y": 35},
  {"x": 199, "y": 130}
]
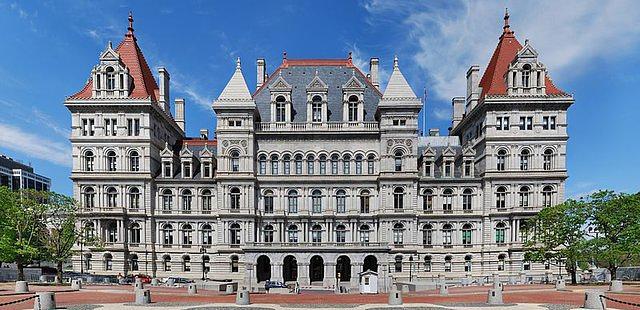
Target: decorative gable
[
  {"x": 280, "y": 84},
  {"x": 449, "y": 152},
  {"x": 317, "y": 84},
  {"x": 206, "y": 152},
  {"x": 353, "y": 84},
  {"x": 429, "y": 152},
  {"x": 167, "y": 152},
  {"x": 185, "y": 152}
]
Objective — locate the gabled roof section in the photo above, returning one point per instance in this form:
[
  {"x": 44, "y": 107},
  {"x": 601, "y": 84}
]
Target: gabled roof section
[
  {"x": 109, "y": 53},
  {"x": 317, "y": 84},
  {"x": 353, "y": 83},
  {"x": 493, "y": 81},
  {"x": 281, "y": 84},
  {"x": 398, "y": 88},
  {"x": 236, "y": 89},
  {"x": 167, "y": 151}
]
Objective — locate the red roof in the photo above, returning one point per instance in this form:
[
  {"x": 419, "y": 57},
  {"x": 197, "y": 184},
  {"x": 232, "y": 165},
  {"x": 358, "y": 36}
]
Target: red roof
[
  {"x": 144, "y": 84},
  {"x": 493, "y": 81},
  {"x": 199, "y": 142}
]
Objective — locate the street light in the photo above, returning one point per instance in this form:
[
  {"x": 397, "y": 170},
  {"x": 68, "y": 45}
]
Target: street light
[
  {"x": 203, "y": 251},
  {"x": 411, "y": 265}
]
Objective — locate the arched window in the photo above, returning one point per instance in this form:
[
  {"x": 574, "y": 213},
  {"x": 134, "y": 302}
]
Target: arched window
[
  {"x": 398, "y": 233},
  {"x": 323, "y": 164},
  {"x": 112, "y": 159},
  {"x": 467, "y": 263},
  {"x": 88, "y": 161},
  {"x": 134, "y": 198},
  {"x": 89, "y": 198},
  {"x": 281, "y": 109},
  {"x": 310, "y": 164},
  {"x": 501, "y": 229},
  {"x": 133, "y": 262},
  {"x": 334, "y": 164},
  {"x": 167, "y": 234},
  {"x": 359, "y": 159},
  {"x": 187, "y": 235},
  {"x": 364, "y": 201},
  {"x": 447, "y": 232},
  {"x": 371, "y": 164},
  {"x": 89, "y": 230},
  {"x": 398, "y": 161},
  {"x": 111, "y": 78},
  {"x": 341, "y": 234},
  {"x": 112, "y": 197},
  {"x": 524, "y": 159},
  {"x": 341, "y": 201},
  {"x": 427, "y": 234},
  {"x": 166, "y": 263},
  {"x": 501, "y": 197},
  {"x": 316, "y": 109},
  {"x": 268, "y": 202},
  {"x": 298, "y": 159},
  {"x": 187, "y": 199},
  {"x": 427, "y": 263},
  {"x": 316, "y": 234},
  {"x": 316, "y": 201},
  {"x": 547, "y": 196},
  {"x": 292, "y": 233},
  {"x": 501, "y": 259},
  {"x": 526, "y": 76},
  {"x": 447, "y": 263},
  {"x": 524, "y": 196},
  {"x": 398, "y": 263},
  {"x": 268, "y": 233},
  {"x": 447, "y": 200},
  {"x": 467, "y": 234},
  {"x": 167, "y": 200},
  {"x": 108, "y": 261},
  {"x": 206, "y": 199},
  {"x": 364, "y": 233},
  {"x": 234, "y": 199},
  {"x": 134, "y": 161},
  {"x": 186, "y": 263},
  {"x": 286, "y": 162},
  {"x": 207, "y": 234},
  {"x": 467, "y": 199},
  {"x": 353, "y": 108},
  {"x": 346, "y": 164},
  {"x": 427, "y": 200},
  {"x": 398, "y": 199},
  {"x": 234, "y": 234},
  {"x": 262, "y": 164},
  {"x": 501, "y": 160},
  {"x": 234, "y": 263},
  {"x": 547, "y": 159},
  {"x": 292, "y": 201},
  {"x": 112, "y": 232},
  {"x": 274, "y": 164},
  {"x": 235, "y": 161}
]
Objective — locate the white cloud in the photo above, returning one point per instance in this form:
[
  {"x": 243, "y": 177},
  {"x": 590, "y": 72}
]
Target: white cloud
[
  {"x": 36, "y": 146},
  {"x": 442, "y": 113},
  {"x": 447, "y": 39},
  {"x": 361, "y": 60}
]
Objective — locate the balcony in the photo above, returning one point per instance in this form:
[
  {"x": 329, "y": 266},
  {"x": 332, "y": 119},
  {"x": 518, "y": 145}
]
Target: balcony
[
  {"x": 308, "y": 246},
  {"x": 314, "y": 127}
]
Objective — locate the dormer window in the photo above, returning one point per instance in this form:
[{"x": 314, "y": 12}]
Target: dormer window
[
  {"x": 186, "y": 169},
  {"x": 526, "y": 76},
  {"x": 111, "y": 78},
  {"x": 281, "y": 109},
  {"x": 316, "y": 109},
  {"x": 353, "y": 108}
]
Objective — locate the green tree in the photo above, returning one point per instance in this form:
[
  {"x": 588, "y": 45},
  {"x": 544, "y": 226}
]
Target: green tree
[
  {"x": 615, "y": 222},
  {"x": 558, "y": 236},
  {"x": 62, "y": 233}
]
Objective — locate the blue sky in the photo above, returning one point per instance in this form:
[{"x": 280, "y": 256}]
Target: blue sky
[{"x": 591, "y": 49}]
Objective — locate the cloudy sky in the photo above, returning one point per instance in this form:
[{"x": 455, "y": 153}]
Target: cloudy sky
[{"x": 591, "y": 49}]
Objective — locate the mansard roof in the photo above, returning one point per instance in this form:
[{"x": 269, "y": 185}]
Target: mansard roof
[
  {"x": 493, "y": 80},
  {"x": 398, "y": 87},
  {"x": 144, "y": 84},
  {"x": 236, "y": 89}
]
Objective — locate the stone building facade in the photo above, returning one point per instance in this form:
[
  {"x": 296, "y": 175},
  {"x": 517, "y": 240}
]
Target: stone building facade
[{"x": 317, "y": 175}]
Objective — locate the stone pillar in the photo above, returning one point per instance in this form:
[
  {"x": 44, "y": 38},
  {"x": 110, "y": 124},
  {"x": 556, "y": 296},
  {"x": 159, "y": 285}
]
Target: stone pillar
[
  {"x": 76, "y": 284},
  {"x": 303, "y": 273},
  {"x": 592, "y": 300},
  {"x": 329, "y": 274},
  {"x": 523, "y": 278},
  {"x": 242, "y": 298},
  {"x": 395, "y": 297},
  {"x": 143, "y": 297},
  {"x": 192, "y": 289},
  {"x": 494, "y": 297},
  {"x": 356, "y": 268},
  {"x": 560, "y": 284},
  {"x": 615, "y": 286},
  {"x": 276, "y": 272},
  {"x": 22, "y": 287},
  {"x": 44, "y": 301},
  {"x": 444, "y": 290}
]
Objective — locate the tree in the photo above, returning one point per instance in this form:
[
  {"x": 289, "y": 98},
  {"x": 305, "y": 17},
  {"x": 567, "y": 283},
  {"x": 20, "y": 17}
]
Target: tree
[
  {"x": 61, "y": 229},
  {"x": 558, "y": 236},
  {"x": 21, "y": 227},
  {"x": 614, "y": 219}
]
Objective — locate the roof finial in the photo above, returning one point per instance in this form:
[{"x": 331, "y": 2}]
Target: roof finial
[
  {"x": 395, "y": 61},
  {"x": 506, "y": 28},
  {"x": 238, "y": 63},
  {"x": 109, "y": 45},
  {"x": 130, "y": 28},
  {"x": 284, "y": 55},
  {"x": 350, "y": 56}
]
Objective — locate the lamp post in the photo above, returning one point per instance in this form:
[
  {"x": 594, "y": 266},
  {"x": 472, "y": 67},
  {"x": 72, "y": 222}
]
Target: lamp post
[
  {"x": 411, "y": 265},
  {"x": 203, "y": 251}
]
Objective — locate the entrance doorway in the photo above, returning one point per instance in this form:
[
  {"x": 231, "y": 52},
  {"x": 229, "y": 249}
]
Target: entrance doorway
[
  {"x": 316, "y": 269},
  {"x": 290, "y": 269},
  {"x": 263, "y": 268},
  {"x": 370, "y": 263},
  {"x": 343, "y": 269}
]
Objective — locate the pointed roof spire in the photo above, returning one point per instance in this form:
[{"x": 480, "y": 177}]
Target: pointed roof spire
[
  {"x": 130, "y": 28},
  {"x": 236, "y": 88},
  {"x": 395, "y": 62},
  {"x": 506, "y": 29},
  {"x": 397, "y": 87},
  {"x": 238, "y": 64}
]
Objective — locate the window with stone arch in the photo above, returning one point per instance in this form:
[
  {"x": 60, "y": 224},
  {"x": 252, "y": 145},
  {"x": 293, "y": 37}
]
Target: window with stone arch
[
  {"x": 274, "y": 164},
  {"x": 167, "y": 200},
  {"x": 207, "y": 234},
  {"x": 334, "y": 164},
  {"x": 346, "y": 164},
  {"x": 112, "y": 197},
  {"x": 323, "y": 164},
  {"x": 206, "y": 201},
  {"x": 292, "y": 201},
  {"x": 501, "y": 231},
  {"x": 298, "y": 164},
  {"x": 311, "y": 161},
  {"x": 501, "y": 160},
  {"x": 468, "y": 263},
  {"x": 427, "y": 200},
  {"x": 89, "y": 159},
  {"x": 427, "y": 234},
  {"x": 365, "y": 201},
  {"x": 89, "y": 198},
  {"x": 353, "y": 108},
  {"x": 234, "y": 199},
  {"x": 111, "y": 78},
  {"x": 316, "y": 109},
  {"x": 467, "y": 199},
  {"x": 501, "y": 262},
  {"x": 547, "y": 159},
  {"x": 398, "y": 263},
  {"x": 134, "y": 198},
  {"x": 112, "y": 161},
  {"x": 365, "y": 232},
  {"x": 547, "y": 196},
  {"x": 524, "y": 159},
  {"x": 187, "y": 201},
  {"x": 234, "y": 234},
  {"x": 135, "y": 233},
  {"x": 526, "y": 76},
  {"x": 398, "y": 234},
  {"x": 234, "y": 163},
  {"x": 281, "y": 109},
  {"x": 286, "y": 163},
  {"x": 447, "y": 263},
  {"x": 341, "y": 234},
  {"x": 501, "y": 198},
  {"x": 398, "y": 199},
  {"x": 341, "y": 201},
  {"x": 292, "y": 234},
  {"x": 134, "y": 161},
  {"x": 267, "y": 199},
  {"x": 397, "y": 159},
  {"x": 166, "y": 263},
  {"x": 167, "y": 234},
  {"x": 316, "y": 201},
  {"x": 187, "y": 235},
  {"x": 447, "y": 200},
  {"x": 262, "y": 164},
  {"x": 427, "y": 263},
  {"x": 467, "y": 234},
  {"x": 268, "y": 233},
  {"x": 524, "y": 194},
  {"x": 316, "y": 234},
  {"x": 371, "y": 161},
  {"x": 359, "y": 160},
  {"x": 447, "y": 234}
]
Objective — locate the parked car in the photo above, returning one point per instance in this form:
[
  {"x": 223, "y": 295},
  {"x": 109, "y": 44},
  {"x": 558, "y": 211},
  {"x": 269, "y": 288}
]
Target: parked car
[
  {"x": 274, "y": 284},
  {"x": 179, "y": 280}
]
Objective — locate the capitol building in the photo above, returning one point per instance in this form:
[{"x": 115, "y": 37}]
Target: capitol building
[{"x": 316, "y": 173}]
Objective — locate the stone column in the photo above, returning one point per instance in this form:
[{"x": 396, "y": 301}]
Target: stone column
[
  {"x": 276, "y": 272},
  {"x": 303, "y": 273},
  {"x": 356, "y": 268},
  {"x": 329, "y": 274}
]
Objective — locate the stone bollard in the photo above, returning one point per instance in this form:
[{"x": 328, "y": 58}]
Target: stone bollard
[
  {"x": 44, "y": 301},
  {"x": 481, "y": 281},
  {"x": 76, "y": 284},
  {"x": 444, "y": 290},
  {"x": 441, "y": 280},
  {"x": 523, "y": 278},
  {"x": 242, "y": 298},
  {"x": 56, "y": 279},
  {"x": 497, "y": 285},
  {"x": 138, "y": 285},
  {"x": 395, "y": 297},
  {"x": 192, "y": 289},
  {"x": 155, "y": 282},
  {"x": 143, "y": 297},
  {"x": 229, "y": 289},
  {"x": 607, "y": 277},
  {"x": 494, "y": 297},
  {"x": 615, "y": 286},
  {"x": 560, "y": 284},
  {"x": 592, "y": 300},
  {"x": 43, "y": 279},
  {"x": 405, "y": 288},
  {"x": 22, "y": 287},
  {"x": 171, "y": 282}
]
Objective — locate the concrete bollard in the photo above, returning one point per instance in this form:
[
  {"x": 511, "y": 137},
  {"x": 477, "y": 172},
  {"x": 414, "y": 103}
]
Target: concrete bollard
[
  {"x": 138, "y": 285},
  {"x": 497, "y": 285},
  {"x": 56, "y": 279},
  {"x": 76, "y": 284},
  {"x": 441, "y": 280},
  {"x": 171, "y": 282},
  {"x": 143, "y": 297},
  {"x": 615, "y": 286},
  {"x": 444, "y": 290},
  {"x": 155, "y": 282},
  {"x": 592, "y": 300},
  {"x": 242, "y": 298},
  {"x": 22, "y": 287},
  {"x": 481, "y": 281},
  {"x": 523, "y": 278},
  {"x": 229, "y": 289},
  {"x": 607, "y": 277},
  {"x": 405, "y": 288},
  {"x": 192, "y": 289},
  {"x": 494, "y": 297},
  {"x": 43, "y": 279},
  {"x": 560, "y": 284},
  {"x": 395, "y": 297},
  {"x": 44, "y": 301}
]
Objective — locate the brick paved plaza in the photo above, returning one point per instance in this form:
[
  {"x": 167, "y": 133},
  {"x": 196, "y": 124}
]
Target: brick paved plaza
[{"x": 121, "y": 297}]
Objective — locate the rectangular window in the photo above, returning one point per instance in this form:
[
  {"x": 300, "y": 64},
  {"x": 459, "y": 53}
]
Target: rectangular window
[
  {"x": 206, "y": 169},
  {"x": 111, "y": 126},
  {"x": 502, "y": 123},
  {"x": 167, "y": 170},
  {"x": 467, "y": 168},
  {"x": 427, "y": 168},
  {"x": 133, "y": 127},
  {"x": 87, "y": 127},
  {"x": 186, "y": 169},
  {"x": 526, "y": 123},
  {"x": 448, "y": 168}
]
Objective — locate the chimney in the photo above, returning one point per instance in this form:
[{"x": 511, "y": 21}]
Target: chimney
[
  {"x": 373, "y": 72},
  {"x": 473, "y": 92},
  {"x": 262, "y": 74},
  {"x": 204, "y": 134},
  {"x": 164, "y": 89},
  {"x": 179, "y": 102},
  {"x": 458, "y": 111},
  {"x": 434, "y": 132}
]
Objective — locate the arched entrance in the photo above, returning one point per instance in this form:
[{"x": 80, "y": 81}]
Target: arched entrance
[
  {"x": 290, "y": 269},
  {"x": 263, "y": 268},
  {"x": 343, "y": 268},
  {"x": 370, "y": 263},
  {"x": 316, "y": 269}
]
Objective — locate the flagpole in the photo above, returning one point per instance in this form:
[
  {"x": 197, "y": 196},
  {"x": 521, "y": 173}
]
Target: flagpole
[{"x": 424, "y": 112}]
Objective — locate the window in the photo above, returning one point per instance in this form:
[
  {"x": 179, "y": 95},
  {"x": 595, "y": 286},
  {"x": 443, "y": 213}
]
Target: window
[
  {"x": 298, "y": 164},
  {"x": 112, "y": 161},
  {"x": 310, "y": 164},
  {"x": 292, "y": 233},
  {"x": 268, "y": 202},
  {"x": 501, "y": 259},
  {"x": 468, "y": 168},
  {"x": 187, "y": 235},
  {"x": 428, "y": 166},
  {"x": 235, "y": 123},
  {"x": 398, "y": 263},
  {"x": 206, "y": 198},
  {"x": 447, "y": 231},
  {"x": 186, "y": 201},
  {"x": 353, "y": 108},
  {"x": 448, "y": 168},
  {"x": 87, "y": 127},
  {"x": 447, "y": 263},
  {"x": 274, "y": 164},
  {"x": 268, "y": 234},
  {"x": 341, "y": 234},
  {"x": 427, "y": 234},
  {"x": 466, "y": 234},
  {"x": 549, "y": 122},
  {"x": 398, "y": 199},
  {"x": 234, "y": 263},
  {"x": 207, "y": 234},
  {"x": 186, "y": 263},
  {"x": 399, "y": 122},
  {"x": 323, "y": 164},
  {"x": 286, "y": 161},
  {"x": 501, "y": 197},
  {"x": 281, "y": 110},
  {"x": 167, "y": 234},
  {"x": 358, "y": 164},
  {"x": 364, "y": 201},
  {"x": 234, "y": 234},
  {"x": 134, "y": 161},
  {"x": 524, "y": 159},
  {"x": 316, "y": 234},
  {"x": 547, "y": 196},
  {"x": 427, "y": 200},
  {"x": 447, "y": 200},
  {"x": 168, "y": 169},
  {"x": 186, "y": 169},
  {"x": 112, "y": 232},
  {"x": 110, "y": 126},
  {"x": 341, "y": 201},
  {"x": 523, "y": 194},
  {"x": 316, "y": 109},
  {"x": 112, "y": 197},
  {"x": 500, "y": 233},
  {"x": 526, "y": 76},
  {"x": 133, "y": 262},
  {"x": 501, "y": 160},
  {"x": 111, "y": 78},
  {"x": 167, "y": 200},
  {"x": 346, "y": 164},
  {"x": 371, "y": 164},
  {"x": 467, "y": 263},
  {"x": 235, "y": 199},
  {"x": 134, "y": 198},
  {"x": 364, "y": 233},
  {"x": 547, "y": 159},
  {"x": 398, "y": 161},
  {"x": 262, "y": 164},
  {"x": 88, "y": 161},
  {"x": 467, "y": 199},
  {"x": 292, "y": 201},
  {"x": 133, "y": 126},
  {"x": 502, "y": 123},
  {"x": 398, "y": 233},
  {"x": 334, "y": 164},
  {"x": 316, "y": 201},
  {"x": 166, "y": 263},
  {"x": 427, "y": 263},
  {"x": 526, "y": 266},
  {"x": 89, "y": 198},
  {"x": 108, "y": 262},
  {"x": 235, "y": 161},
  {"x": 526, "y": 123}
]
